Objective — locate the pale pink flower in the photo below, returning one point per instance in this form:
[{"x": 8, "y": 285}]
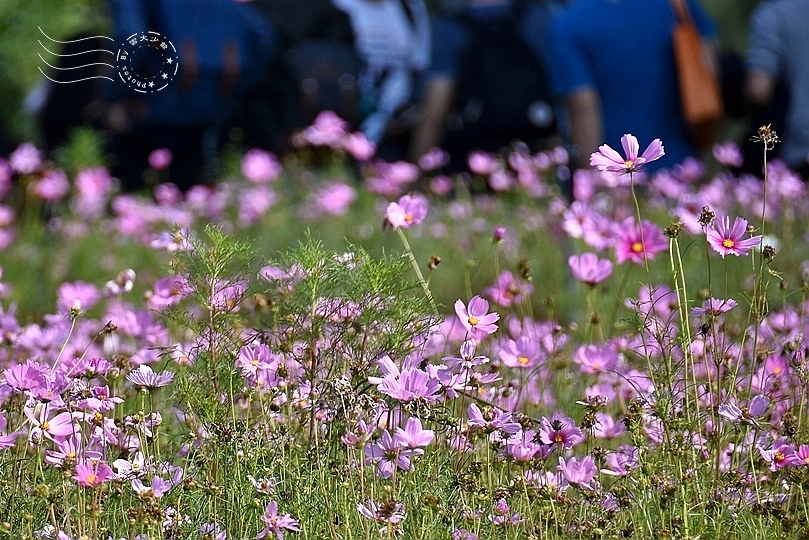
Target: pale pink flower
[
  {"x": 588, "y": 268},
  {"x": 475, "y": 316},
  {"x": 607, "y": 159},
  {"x": 410, "y": 210}
]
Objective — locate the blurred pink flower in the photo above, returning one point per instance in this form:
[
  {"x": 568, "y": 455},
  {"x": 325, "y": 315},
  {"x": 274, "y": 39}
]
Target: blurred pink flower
[
  {"x": 160, "y": 159},
  {"x": 507, "y": 290},
  {"x": 588, "y": 268},
  {"x": 260, "y": 166},
  {"x": 358, "y": 145},
  {"x": 728, "y": 154},
  {"x": 335, "y": 199},
  {"x": 636, "y": 244},
  {"x": 481, "y": 163},
  {"x": 25, "y": 159},
  {"x": 52, "y": 186},
  {"x": 328, "y": 129},
  {"x": 607, "y": 159}
]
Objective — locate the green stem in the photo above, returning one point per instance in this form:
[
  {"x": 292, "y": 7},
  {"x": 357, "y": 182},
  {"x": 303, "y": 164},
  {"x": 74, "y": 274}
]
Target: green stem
[{"x": 416, "y": 268}]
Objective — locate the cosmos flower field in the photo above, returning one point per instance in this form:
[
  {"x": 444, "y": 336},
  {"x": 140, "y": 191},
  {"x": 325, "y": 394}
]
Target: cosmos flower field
[{"x": 334, "y": 346}]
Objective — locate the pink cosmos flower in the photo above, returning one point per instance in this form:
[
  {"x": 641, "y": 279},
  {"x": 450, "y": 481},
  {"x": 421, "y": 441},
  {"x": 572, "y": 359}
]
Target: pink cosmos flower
[
  {"x": 588, "y": 268},
  {"x": 728, "y": 154},
  {"x": 727, "y": 240},
  {"x": 495, "y": 419},
  {"x": 52, "y": 186},
  {"x": 578, "y": 472},
  {"x": 782, "y": 454},
  {"x": 636, "y": 244},
  {"x": 501, "y": 514},
  {"x": 79, "y": 296},
  {"x": 413, "y": 436},
  {"x": 334, "y": 199},
  {"x": 481, "y": 163},
  {"x": 560, "y": 430},
  {"x": 144, "y": 377},
  {"x": 522, "y": 353},
  {"x": 475, "y": 316},
  {"x": 714, "y": 307},
  {"x": 410, "y": 210},
  {"x": 25, "y": 159},
  {"x": 276, "y": 524},
  {"x": 757, "y": 407},
  {"x": 607, "y": 159},
  {"x": 91, "y": 473},
  {"x": 508, "y": 291},
  {"x": 160, "y": 159},
  {"x": 358, "y": 145},
  {"x": 328, "y": 129},
  {"x": 594, "y": 359},
  {"x": 7, "y": 439},
  {"x": 389, "y": 453},
  {"x": 433, "y": 159},
  {"x": 373, "y": 511},
  {"x": 260, "y": 166}
]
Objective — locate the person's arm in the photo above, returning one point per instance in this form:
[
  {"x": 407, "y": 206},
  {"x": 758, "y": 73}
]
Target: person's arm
[
  {"x": 586, "y": 129},
  {"x": 438, "y": 100},
  {"x": 758, "y": 87},
  {"x": 764, "y": 57}
]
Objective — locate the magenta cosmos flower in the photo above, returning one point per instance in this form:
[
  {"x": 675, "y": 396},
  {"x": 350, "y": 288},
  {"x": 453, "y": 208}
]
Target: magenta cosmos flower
[
  {"x": 276, "y": 524},
  {"x": 727, "y": 240},
  {"x": 638, "y": 243},
  {"x": 607, "y": 159},
  {"x": 410, "y": 210},
  {"x": 589, "y": 269},
  {"x": 475, "y": 316}
]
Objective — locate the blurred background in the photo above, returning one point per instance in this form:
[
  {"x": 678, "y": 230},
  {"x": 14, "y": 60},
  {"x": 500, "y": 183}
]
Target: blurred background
[{"x": 253, "y": 73}]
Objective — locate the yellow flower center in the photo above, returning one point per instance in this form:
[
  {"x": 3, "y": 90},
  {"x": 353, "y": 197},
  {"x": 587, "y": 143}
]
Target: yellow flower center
[
  {"x": 779, "y": 457},
  {"x": 629, "y": 163},
  {"x": 408, "y": 218},
  {"x": 523, "y": 360},
  {"x": 637, "y": 247},
  {"x": 45, "y": 426},
  {"x": 558, "y": 438},
  {"x": 91, "y": 479},
  {"x": 728, "y": 243},
  {"x": 473, "y": 321}
]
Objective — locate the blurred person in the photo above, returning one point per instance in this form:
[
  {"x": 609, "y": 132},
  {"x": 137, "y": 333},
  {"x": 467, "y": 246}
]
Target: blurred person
[
  {"x": 224, "y": 49},
  {"x": 614, "y": 67},
  {"x": 317, "y": 70},
  {"x": 779, "y": 41},
  {"x": 393, "y": 39},
  {"x": 459, "y": 86}
]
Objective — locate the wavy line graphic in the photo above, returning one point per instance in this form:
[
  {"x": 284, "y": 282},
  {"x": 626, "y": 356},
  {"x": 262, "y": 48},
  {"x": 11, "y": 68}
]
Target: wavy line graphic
[
  {"x": 77, "y": 67},
  {"x": 73, "y": 40},
  {"x": 75, "y": 54},
  {"x": 77, "y": 80}
]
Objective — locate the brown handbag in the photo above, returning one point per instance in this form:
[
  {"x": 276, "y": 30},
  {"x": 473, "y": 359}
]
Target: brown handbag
[{"x": 700, "y": 96}]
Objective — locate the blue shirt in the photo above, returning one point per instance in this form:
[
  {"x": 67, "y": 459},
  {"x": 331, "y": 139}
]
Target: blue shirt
[{"x": 623, "y": 49}]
